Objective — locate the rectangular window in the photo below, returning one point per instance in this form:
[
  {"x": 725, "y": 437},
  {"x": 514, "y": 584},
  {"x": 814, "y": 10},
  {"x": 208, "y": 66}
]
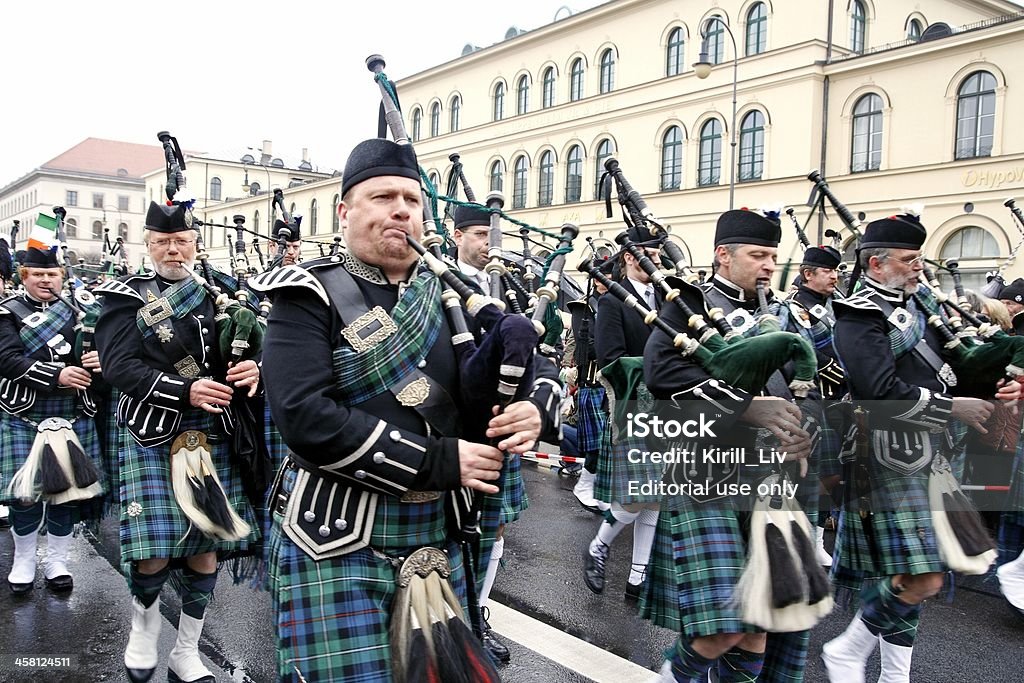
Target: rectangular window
[
  {"x": 97, "y": 200},
  {"x": 122, "y": 202},
  {"x": 72, "y": 198}
]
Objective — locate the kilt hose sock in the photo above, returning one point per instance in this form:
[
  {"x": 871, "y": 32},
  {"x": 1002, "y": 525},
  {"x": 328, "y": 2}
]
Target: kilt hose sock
[
  {"x": 196, "y": 591},
  {"x": 25, "y": 519},
  {"x": 60, "y": 519},
  {"x": 740, "y": 666},
  {"x": 146, "y": 587},
  {"x": 687, "y": 665},
  {"x": 887, "y": 616}
]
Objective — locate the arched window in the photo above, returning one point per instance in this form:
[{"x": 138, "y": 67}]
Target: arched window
[
  {"x": 254, "y": 189},
  {"x": 548, "y": 88},
  {"x": 417, "y": 124},
  {"x": 709, "y": 167},
  {"x": 335, "y": 220},
  {"x": 674, "y": 64},
  {"x": 574, "y": 175},
  {"x": 122, "y": 231},
  {"x": 672, "y": 159},
  {"x": 97, "y": 230},
  {"x": 497, "y": 174},
  {"x": 576, "y": 80},
  {"x": 71, "y": 227},
  {"x": 313, "y": 217},
  {"x": 757, "y": 29},
  {"x": 866, "y": 147},
  {"x": 499, "y": 102},
  {"x": 715, "y": 40},
  {"x": 858, "y": 26},
  {"x": 607, "y": 71},
  {"x": 975, "y": 115},
  {"x": 914, "y": 30},
  {"x": 752, "y": 146},
  {"x": 522, "y": 95},
  {"x": 976, "y": 249},
  {"x": 519, "y": 184},
  {"x": 604, "y": 150},
  {"x": 546, "y": 186},
  {"x": 215, "y": 188},
  {"x": 435, "y": 119},
  {"x": 454, "y": 109}
]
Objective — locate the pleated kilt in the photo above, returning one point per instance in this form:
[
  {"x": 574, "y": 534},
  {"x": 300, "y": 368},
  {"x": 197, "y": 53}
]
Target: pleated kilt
[
  {"x": 17, "y": 436},
  {"x": 591, "y": 418},
  {"x": 901, "y": 526},
  {"x": 332, "y": 617},
  {"x": 615, "y": 471},
  {"x": 277, "y": 449},
  {"x": 152, "y": 525},
  {"x": 698, "y": 556}
]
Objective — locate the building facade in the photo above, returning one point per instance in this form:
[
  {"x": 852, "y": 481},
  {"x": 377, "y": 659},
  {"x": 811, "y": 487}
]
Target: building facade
[
  {"x": 100, "y": 184},
  {"x": 896, "y": 102}
]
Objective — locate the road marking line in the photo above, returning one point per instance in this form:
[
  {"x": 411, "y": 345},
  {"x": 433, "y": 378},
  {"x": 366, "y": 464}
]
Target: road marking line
[{"x": 560, "y": 647}]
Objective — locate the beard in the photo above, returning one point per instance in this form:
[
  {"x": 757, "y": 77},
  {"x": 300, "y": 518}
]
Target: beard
[{"x": 175, "y": 271}]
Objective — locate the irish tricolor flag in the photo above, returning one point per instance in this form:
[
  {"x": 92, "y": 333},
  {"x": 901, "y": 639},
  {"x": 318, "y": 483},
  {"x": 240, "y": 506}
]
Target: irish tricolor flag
[{"x": 44, "y": 233}]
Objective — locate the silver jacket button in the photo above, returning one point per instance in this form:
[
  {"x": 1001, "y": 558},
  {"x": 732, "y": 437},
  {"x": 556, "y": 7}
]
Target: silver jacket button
[
  {"x": 360, "y": 474},
  {"x": 308, "y": 515},
  {"x": 379, "y": 457},
  {"x": 340, "y": 524},
  {"x": 324, "y": 531},
  {"x": 395, "y": 435}
]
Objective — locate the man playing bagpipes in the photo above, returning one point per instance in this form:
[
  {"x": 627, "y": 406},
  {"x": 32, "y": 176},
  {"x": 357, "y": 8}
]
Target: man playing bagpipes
[
  {"x": 905, "y": 522},
  {"x": 1013, "y": 296},
  {"x": 706, "y": 549},
  {"x": 49, "y": 451},
  {"x": 621, "y": 333},
  {"x": 366, "y": 571},
  {"x": 182, "y": 498},
  {"x": 808, "y": 312},
  {"x": 289, "y": 232}
]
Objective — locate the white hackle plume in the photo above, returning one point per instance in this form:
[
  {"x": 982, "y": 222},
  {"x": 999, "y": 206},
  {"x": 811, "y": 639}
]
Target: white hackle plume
[{"x": 914, "y": 209}]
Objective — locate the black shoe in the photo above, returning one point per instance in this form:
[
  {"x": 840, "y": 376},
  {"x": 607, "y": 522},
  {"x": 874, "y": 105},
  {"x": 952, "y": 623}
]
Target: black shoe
[
  {"x": 175, "y": 678},
  {"x": 634, "y": 590},
  {"x": 593, "y": 570},
  {"x": 496, "y": 649},
  {"x": 20, "y": 588},
  {"x": 139, "y": 675},
  {"x": 61, "y": 584}
]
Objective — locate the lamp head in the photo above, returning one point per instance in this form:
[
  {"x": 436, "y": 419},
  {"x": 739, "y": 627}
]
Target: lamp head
[{"x": 702, "y": 67}]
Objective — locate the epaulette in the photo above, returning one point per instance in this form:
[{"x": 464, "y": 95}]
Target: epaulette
[
  {"x": 858, "y": 302},
  {"x": 119, "y": 287},
  {"x": 292, "y": 276}
]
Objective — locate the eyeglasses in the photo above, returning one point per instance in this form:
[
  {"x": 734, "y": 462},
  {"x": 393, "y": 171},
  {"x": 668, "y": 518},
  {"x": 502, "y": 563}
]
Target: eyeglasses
[
  {"x": 179, "y": 243},
  {"x": 910, "y": 261}
]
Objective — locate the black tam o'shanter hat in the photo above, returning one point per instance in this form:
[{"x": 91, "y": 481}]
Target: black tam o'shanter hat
[
  {"x": 379, "y": 157},
  {"x": 40, "y": 258},
  {"x": 166, "y": 219},
  {"x": 1013, "y": 291},
  {"x": 743, "y": 226},
  {"x": 292, "y": 234},
  {"x": 903, "y": 231},
  {"x": 470, "y": 216},
  {"x": 822, "y": 257}
]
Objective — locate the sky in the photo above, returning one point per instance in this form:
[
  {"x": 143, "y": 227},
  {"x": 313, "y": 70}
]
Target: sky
[{"x": 223, "y": 74}]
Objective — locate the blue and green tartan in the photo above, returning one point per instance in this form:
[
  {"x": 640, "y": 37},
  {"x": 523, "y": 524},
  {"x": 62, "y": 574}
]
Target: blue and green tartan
[
  {"x": 591, "y": 418},
  {"x": 498, "y": 510},
  {"x": 183, "y": 296},
  {"x": 18, "y": 435},
  {"x": 903, "y": 341},
  {"x": 359, "y": 376},
  {"x": 1011, "y": 522},
  {"x": 785, "y": 657},
  {"x": 151, "y": 523},
  {"x": 58, "y": 315},
  {"x": 332, "y": 617}
]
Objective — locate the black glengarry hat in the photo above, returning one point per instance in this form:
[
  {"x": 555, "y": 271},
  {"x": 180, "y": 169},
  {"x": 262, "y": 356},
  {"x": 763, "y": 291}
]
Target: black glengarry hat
[
  {"x": 166, "y": 219},
  {"x": 743, "y": 226},
  {"x": 292, "y": 234},
  {"x": 39, "y": 258},
  {"x": 469, "y": 216},
  {"x": 902, "y": 231},
  {"x": 379, "y": 157},
  {"x": 1013, "y": 291},
  {"x": 822, "y": 257}
]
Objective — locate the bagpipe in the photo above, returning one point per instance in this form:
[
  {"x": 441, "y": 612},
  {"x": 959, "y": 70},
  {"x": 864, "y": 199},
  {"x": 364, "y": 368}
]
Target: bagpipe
[{"x": 197, "y": 489}]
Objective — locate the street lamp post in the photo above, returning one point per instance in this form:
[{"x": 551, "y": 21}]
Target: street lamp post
[{"x": 703, "y": 68}]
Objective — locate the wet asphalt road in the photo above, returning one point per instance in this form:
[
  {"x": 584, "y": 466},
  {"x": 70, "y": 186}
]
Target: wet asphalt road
[{"x": 975, "y": 638}]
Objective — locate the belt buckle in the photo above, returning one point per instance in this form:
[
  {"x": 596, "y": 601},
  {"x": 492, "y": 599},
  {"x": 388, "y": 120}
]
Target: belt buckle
[
  {"x": 156, "y": 311},
  {"x": 187, "y": 367},
  {"x": 369, "y": 329},
  {"x": 419, "y": 496}
]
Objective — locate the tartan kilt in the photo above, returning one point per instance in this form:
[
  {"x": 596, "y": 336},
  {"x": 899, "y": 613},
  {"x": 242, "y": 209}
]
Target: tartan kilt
[
  {"x": 152, "y": 525},
  {"x": 591, "y": 418},
  {"x": 698, "y": 557},
  {"x": 901, "y": 524},
  {"x": 277, "y": 449},
  {"x": 332, "y": 617},
  {"x": 615, "y": 471},
  {"x": 18, "y": 435}
]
